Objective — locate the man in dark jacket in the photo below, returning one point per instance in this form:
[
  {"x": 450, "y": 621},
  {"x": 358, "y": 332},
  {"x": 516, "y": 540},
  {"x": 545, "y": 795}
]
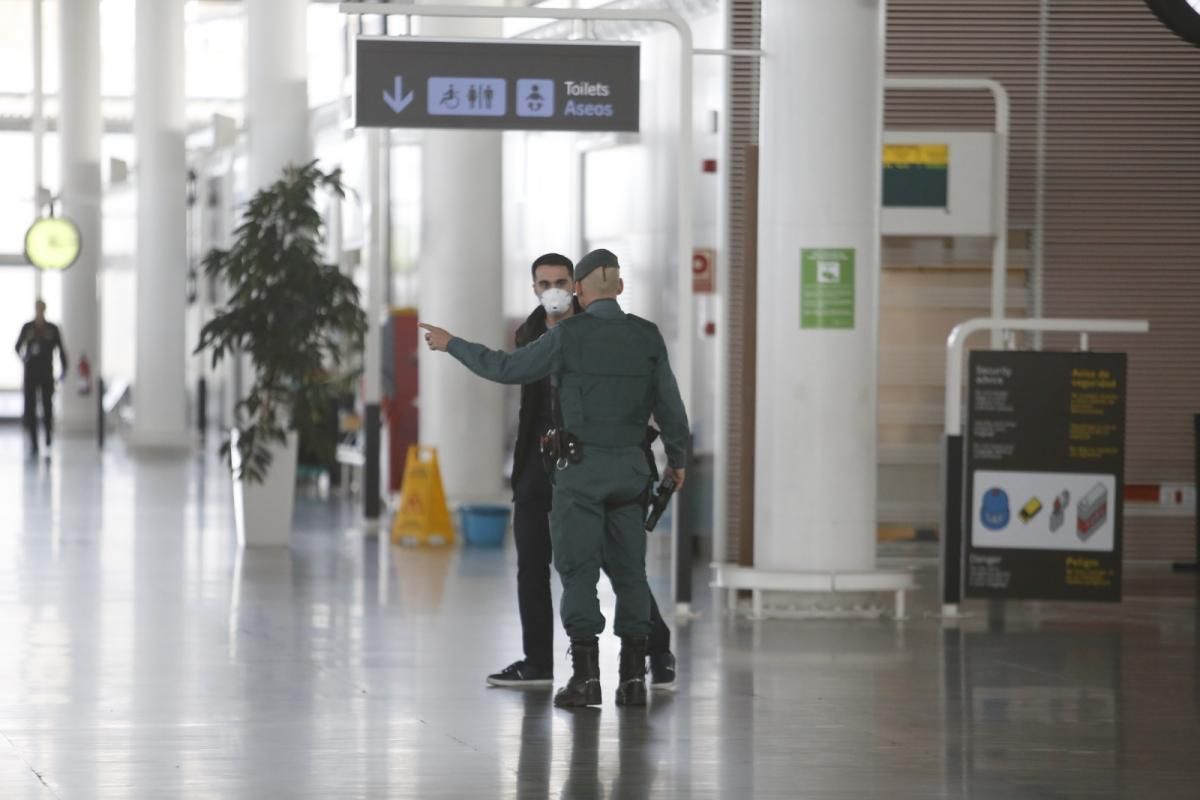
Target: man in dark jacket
[
  {"x": 553, "y": 284},
  {"x": 36, "y": 345}
]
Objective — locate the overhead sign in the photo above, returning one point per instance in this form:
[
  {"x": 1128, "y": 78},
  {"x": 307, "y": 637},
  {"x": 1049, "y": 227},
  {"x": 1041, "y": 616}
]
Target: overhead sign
[
  {"x": 498, "y": 85},
  {"x": 53, "y": 243},
  {"x": 1045, "y": 475}
]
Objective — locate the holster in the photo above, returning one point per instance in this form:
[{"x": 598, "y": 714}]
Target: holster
[
  {"x": 560, "y": 447},
  {"x": 651, "y": 435}
]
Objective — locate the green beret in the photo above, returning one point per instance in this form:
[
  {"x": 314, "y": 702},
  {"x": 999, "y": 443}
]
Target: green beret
[{"x": 593, "y": 261}]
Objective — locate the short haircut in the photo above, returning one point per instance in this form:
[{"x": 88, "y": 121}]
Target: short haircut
[
  {"x": 603, "y": 280},
  {"x": 552, "y": 260}
]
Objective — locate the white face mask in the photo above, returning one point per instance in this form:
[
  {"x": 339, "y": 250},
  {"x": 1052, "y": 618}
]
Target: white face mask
[{"x": 556, "y": 301}]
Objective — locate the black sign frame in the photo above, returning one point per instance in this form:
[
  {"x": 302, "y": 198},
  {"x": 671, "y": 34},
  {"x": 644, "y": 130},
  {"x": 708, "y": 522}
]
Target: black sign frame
[
  {"x": 497, "y": 84},
  {"x": 1044, "y": 494}
]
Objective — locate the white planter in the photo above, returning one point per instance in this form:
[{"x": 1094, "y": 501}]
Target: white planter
[{"x": 263, "y": 511}]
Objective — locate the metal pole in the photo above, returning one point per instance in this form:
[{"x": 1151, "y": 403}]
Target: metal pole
[
  {"x": 376, "y": 142},
  {"x": 100, "y": 412},
  {"x": 951, "y": 540},
  {"x": 956, "y": 342},
  {"x": 1039, "y": 179},
  {"x": 682, "y": 528},
  {"x": 202, "y": 405},
  {"x": 1000, "y": 236},
  {"x": 720, "y": 535},
  {"x": 1000, "y": 200},
  {"x": 680, "y": 589},
  {"x": 1194, "y": 566}
]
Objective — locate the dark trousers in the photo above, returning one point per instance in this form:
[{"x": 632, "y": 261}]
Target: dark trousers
[
  {"x": 531, "y": 529},
  {"x": 34, "y": 385}
]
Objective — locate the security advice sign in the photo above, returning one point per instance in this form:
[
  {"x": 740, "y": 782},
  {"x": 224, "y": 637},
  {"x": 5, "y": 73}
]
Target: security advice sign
[
  {"x": 506, "y": 85},
  {"x": 1045, "y": 475}
]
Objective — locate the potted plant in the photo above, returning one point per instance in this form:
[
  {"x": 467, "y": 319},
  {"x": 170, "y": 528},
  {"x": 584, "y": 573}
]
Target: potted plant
[{"x": 296, "y": 319}]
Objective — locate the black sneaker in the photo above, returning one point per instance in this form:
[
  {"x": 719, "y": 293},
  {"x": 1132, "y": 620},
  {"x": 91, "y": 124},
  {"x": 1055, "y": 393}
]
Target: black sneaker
[
  {"x": 522, "y": 673},
  {"x": 662, "y": 670}
]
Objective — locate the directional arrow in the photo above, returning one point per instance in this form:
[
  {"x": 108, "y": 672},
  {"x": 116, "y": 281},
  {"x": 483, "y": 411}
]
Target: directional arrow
[{"x": 397, "y": 101}]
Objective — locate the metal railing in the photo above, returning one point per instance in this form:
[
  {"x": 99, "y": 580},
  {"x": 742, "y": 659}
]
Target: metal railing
[{"x": 953, "y": 463}]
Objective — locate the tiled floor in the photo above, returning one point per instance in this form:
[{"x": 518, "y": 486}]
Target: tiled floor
[{"x": 142, "y": 655}]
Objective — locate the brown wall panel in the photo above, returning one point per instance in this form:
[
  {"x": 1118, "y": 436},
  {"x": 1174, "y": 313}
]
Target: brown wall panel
[{"x": 1122, "y": 189}]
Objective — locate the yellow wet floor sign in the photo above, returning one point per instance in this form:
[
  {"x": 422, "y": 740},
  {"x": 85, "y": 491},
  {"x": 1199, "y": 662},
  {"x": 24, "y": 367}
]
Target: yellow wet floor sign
[{"x": 424, "y": 517}]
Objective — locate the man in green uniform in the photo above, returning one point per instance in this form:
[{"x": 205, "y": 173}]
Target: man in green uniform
[{"x": 611, "y": 373}]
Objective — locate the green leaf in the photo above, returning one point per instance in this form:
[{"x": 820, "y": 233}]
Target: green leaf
[{"x": 295, "y": 318}]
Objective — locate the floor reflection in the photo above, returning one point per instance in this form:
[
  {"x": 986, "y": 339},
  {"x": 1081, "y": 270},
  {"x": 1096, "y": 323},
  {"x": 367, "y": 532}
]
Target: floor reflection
[
  {"x": 145, "y": 655},
  {"x": 583, "y": 766},
  {"x": 1031, "y": 710}
]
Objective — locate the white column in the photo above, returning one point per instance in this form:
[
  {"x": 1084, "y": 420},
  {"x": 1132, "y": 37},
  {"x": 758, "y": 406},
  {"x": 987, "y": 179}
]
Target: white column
[
  {"x": 276, "y": 109},
  {"x": 160, "y": 399},
  {"x": 462, "y": 291},
  {"x": 815, "y": 457},
  {"x": 80, "y": 129},
  {"x": 276, "y": 88}
]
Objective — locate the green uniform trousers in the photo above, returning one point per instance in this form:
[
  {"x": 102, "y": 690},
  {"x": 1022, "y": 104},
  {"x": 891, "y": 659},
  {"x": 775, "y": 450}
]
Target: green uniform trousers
[{"x": 598, "y": 519}]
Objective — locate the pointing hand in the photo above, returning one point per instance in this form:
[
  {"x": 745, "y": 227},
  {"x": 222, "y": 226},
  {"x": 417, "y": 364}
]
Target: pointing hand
[{"x": 437, "y": 338}]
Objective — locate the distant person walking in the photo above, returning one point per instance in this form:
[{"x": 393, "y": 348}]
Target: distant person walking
[{"x": 36, "y": 345}]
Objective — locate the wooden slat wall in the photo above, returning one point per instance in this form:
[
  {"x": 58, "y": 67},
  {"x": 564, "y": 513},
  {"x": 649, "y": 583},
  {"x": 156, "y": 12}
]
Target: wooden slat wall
[
  {"x": 1122, "y": 194},
  {"x": 995, "y": 39},
  {"x": 1123, "y": 224},
  {"x": 934, "y": 37}
]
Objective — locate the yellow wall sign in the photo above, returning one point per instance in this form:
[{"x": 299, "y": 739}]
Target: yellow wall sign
[
  {"x": 52, "y": 243},
  {"x": 916, "y": 176},
  {"x": 924, "y": 155}
]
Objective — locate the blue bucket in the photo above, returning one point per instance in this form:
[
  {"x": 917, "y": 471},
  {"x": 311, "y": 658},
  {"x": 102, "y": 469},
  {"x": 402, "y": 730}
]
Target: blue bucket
[{"x": 484, "y": 525}]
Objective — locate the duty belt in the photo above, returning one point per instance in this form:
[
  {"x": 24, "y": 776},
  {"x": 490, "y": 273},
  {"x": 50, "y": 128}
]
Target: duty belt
[{"x": 560, "y": 449}]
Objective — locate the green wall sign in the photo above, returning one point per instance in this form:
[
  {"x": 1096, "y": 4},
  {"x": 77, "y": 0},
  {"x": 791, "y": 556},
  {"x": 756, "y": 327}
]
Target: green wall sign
[{"x": 827, "y": 288}]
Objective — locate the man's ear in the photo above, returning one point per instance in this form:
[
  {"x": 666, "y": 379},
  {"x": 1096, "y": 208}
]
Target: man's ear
[{"x": 620, "y": 285}]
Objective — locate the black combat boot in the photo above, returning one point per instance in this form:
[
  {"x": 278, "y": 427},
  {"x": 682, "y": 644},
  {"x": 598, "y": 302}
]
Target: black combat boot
[
  {"x": 583, "y": 689},
  {"x": 632, "y": 691}
]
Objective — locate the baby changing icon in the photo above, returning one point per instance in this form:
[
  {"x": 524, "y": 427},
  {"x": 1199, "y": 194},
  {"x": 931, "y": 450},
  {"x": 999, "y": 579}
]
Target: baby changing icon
[{"x": 535, "y": 98}]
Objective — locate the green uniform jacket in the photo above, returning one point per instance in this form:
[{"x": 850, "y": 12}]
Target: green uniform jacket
[{"x": 545, "y": 358}]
